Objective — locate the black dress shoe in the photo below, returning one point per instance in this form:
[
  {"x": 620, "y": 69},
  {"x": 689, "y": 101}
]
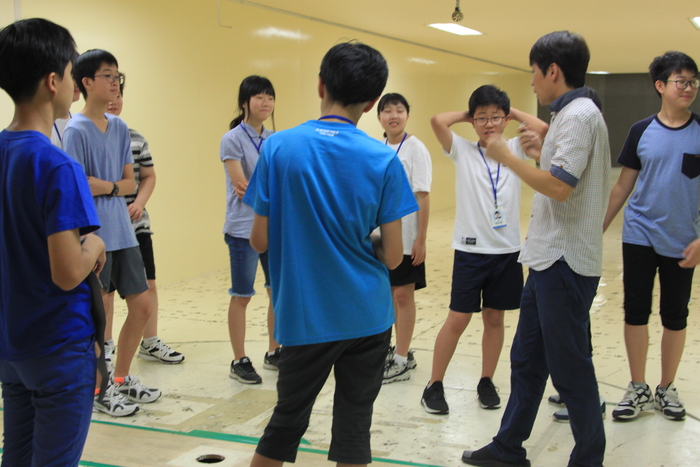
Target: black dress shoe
[{"x": 484, "y": 458}]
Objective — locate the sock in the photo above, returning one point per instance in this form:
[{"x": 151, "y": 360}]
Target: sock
[
  {"x": 119, "y": 380},
  {"x": 150, "y": 341},
  {"x": 270, "y": 354},
  {"x": 109, "y": 343},
  {"x": 97, "y": 391},
  {"x": 401, "y": 360},
  {"x": 662, "y": 388},
  {"x": 639, "y": 385}
]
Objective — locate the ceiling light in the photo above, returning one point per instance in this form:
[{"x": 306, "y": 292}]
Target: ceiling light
[
  {"x": 598, "y": 72},
  {"x": 423, "y": 61},
  {"x": 455, "y": 29},
  {"x": 283, "y": 33},
  {"x": 695, "y": 21}
]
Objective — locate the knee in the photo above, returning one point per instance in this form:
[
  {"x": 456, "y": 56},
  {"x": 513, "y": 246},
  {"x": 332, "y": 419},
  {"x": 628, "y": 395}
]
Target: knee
[
  {"x": 403, "y": 296},
  {"x": 457, "y": 322},
  {"x": 493, "y": 319}
]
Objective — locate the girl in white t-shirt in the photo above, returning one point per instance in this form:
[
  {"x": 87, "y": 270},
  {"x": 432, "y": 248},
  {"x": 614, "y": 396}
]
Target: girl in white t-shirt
[{"x": 393, "y": 113}]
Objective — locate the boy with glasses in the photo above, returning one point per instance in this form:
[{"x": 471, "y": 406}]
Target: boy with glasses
[
  {"x": 486, "y": 237},
  {"x": 661, "y": 170},
  {"x": 101, "y": 143}
]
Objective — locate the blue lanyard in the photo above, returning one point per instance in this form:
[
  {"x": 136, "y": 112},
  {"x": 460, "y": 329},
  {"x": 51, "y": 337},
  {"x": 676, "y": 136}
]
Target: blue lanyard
[
  {"x": 338, "y": 117},
  {"x": 257, "y": 146},
  {"x": 498, "y": 175},
  {"x": 400, "y": 144}
]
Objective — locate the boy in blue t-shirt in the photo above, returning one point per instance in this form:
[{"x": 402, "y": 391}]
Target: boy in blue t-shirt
[
  {"x": 47, "y": 334},
  {"x": 660, "y": 169},
  {"x": 101, "y": 143},
  {"x": 318, "y": 192}
]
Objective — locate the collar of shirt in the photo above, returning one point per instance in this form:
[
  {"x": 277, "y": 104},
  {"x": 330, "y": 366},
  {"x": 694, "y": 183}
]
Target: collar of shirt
[{"x": 562, "y": 101}]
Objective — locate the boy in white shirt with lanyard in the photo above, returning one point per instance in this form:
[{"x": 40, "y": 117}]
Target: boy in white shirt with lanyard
[{"x": 486, "y": 236}]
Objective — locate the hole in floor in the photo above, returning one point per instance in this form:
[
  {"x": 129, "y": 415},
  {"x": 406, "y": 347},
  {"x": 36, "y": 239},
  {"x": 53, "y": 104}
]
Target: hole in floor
[{"x": 210, "y": 459}]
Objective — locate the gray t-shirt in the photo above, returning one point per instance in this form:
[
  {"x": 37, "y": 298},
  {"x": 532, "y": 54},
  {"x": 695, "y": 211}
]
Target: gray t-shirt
[
  {"x": 104, "y": 155},
  {"x": 240, "y": 144}
]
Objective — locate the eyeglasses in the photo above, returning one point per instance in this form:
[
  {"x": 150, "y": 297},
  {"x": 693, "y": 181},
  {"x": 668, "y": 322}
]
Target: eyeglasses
[
  {"x": 120, "y": 77},
  {"x": 682, "y": 84},
  {"x": 482, "y": 121}
]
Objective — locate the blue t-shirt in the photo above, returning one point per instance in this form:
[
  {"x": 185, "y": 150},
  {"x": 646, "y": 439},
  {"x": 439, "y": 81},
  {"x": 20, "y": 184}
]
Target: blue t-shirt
[
  {"x": 42, "y": 192},
  {"x": 104, "y": 155},
  {"x": 325, "y": 186},
  {"x": 240, "y": 144},
  {"x": 663, "y": 209}
]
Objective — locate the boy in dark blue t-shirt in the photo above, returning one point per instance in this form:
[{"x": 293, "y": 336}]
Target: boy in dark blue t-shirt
[{"x": 47, "y": 334}]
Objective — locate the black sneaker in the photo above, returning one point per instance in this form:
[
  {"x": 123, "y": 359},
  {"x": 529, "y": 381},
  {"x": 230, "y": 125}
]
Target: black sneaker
[
  {"x": 433, "y": 399},
  {"x": 244, "y": 372},
  {"x": 488, "y": 394},
  {"x": 270, "y": 361},
  {"x": 484, "y": 457}
]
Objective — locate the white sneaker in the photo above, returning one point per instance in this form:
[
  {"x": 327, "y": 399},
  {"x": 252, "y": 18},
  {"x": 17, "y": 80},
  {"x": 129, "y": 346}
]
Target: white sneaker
[
  {"x": 133, "y": 390},
  {"x": 160, "y": 352},
  {"x": 669, "y": 403},
  {"x": 114, "y": 404},
  {"x": 109, "y": 357},
  {"x": 634, "y": 401},
  {"x": 394, "y": 371}
]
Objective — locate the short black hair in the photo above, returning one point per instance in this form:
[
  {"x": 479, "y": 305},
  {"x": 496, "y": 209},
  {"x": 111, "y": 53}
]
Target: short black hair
[
  {"x": 663, "y": 67},
  {"x": 568, "y": 50},
  {"x": 31, "y": 49},
  {"x": 392, "y": 98},
  {"x": 354, "y": 73},
  {"x": 87, "y": 64},
  {"x": 488, "y": 95}
]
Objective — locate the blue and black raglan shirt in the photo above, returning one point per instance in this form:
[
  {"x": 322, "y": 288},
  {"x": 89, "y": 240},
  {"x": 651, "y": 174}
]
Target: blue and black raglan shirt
[{"x": 663, "y": 209}]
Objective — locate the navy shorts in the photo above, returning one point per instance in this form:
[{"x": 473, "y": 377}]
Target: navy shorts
[
  {"x": 406, "y": 273},
  {"x": 497, "y": 279}
]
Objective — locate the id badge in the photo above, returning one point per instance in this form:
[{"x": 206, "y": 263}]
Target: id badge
[{"x": 498, "y": 219}]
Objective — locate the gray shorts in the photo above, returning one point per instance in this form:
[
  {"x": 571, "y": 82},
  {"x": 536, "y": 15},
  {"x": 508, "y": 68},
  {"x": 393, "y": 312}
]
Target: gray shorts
[{"x": 124, "y": 272}]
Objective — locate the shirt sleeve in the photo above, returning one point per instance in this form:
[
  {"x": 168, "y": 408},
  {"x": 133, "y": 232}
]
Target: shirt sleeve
[
  {"x": 397, "y": 198},
  {"x": 458, "y": 146},
  {"x": 629, "y": 157},
  {"x": 516, "y": 148},
  {"x": 75, "y": 144},
  {"x": 231, "y": 148},
  {"x": 67, "y": 201},
  {"x": 257, "y": 196},
  {"x": 422, "y": 170},
  {"x": 125, "y": 145},
  {"x": 572, "y": 149}
]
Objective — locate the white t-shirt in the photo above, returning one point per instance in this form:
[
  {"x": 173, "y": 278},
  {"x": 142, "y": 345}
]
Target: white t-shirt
[
  {"x": 415, "y": 158},
  {"x": 474, "y": 231}
]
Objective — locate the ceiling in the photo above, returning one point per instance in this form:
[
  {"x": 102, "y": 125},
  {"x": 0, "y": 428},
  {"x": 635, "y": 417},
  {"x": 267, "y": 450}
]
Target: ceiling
[{"x": 623, "y": 35}]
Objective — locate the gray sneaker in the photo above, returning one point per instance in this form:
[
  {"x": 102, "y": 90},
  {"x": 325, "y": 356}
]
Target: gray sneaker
[{"x": 394, "y": 371}]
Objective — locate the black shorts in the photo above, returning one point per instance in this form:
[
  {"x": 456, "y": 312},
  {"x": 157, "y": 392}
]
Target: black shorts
[
  {"x": 640, "y": 264},
  {"x": 406, "y": 273},
  {"x": 498, "y": 278},
  {"x": 357, "y": 365},
  {"x": 146, "y": 247}
]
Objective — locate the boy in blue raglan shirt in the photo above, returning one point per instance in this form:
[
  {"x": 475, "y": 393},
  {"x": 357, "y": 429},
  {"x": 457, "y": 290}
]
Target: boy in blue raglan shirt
[
  {"x": 47, "y": 334},
  {"x": 661, "y": 170},
  {"x": 318, "y": 192}
]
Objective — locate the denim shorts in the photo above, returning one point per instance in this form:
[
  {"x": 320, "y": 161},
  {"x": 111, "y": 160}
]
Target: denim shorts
[{"x": 244, "y": 265}]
